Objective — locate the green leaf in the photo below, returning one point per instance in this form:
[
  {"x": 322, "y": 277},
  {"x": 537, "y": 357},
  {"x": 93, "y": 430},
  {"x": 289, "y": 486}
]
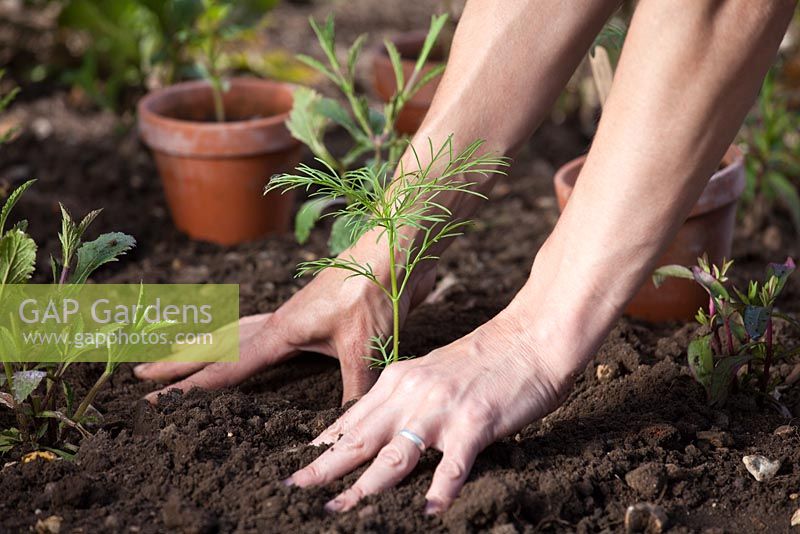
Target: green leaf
[
  {"x": 397, "y": 64},
  {"x": 331, "y": 109},
  {"x": 354, "y": 52},
  {"x": 781, "y": 271},
  {"x": 307, "y": 124},
  {"x": 17, "y": 257},
  {"x": 307, "y": 216},
  {"x": 344, "y": 232},
  {"x": 437, "y": 23},
  {"x": 701, "y": 359},
  {"x": 11, "y": 201},
  {"x": 104, "y": 249},
  {"x": 671, "y": 271},
  {"x": 25, "y": 382},
  {"x": 722, "y": 377},
  {"x": 714, "y": 287},
  {"x": 755, "y": 320}
]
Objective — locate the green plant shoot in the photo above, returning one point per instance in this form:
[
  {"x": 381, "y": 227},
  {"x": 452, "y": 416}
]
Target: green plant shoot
[
  {"x": 407, "y": 213},
  {"x": 372, "y": 131},
  {"x": 739, "y": 325}
]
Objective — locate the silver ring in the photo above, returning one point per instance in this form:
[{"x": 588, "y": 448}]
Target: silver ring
[{"x": 413, "y": 438}]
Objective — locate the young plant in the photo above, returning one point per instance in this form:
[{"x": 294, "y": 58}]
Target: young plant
[
  {"x": 372, "y": 131},
  {"x": 43, "y": 402},
  {"x": 738, "y": 325},
  {"x": 133, "y": 43},
  {"x": 773, "y": 156},
  {"x": 408, "y": 205}
]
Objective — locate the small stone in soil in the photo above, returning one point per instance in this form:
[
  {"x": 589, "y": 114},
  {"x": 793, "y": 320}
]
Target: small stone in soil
[
  {"x": 645, "y": 517},
  {"x": 760, "y": 467},
  {"x": 50, "y": 525},
  {"x": 784, "y": 431},
  {"x": 717, "y": 438},
  {"x": 606, "y": 372},
  {"x": 647, "y": 480},
  {"x": 796, "y": 518}
]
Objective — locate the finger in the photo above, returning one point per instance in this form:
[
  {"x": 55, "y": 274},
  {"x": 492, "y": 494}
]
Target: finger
[
  {"x": 350, "y": 419},
  {"x": 357, "y": 377},
  {"x": 165, "y": 371},
  {"x": 357, "y": 446},
  {"x": 367, "y": 404},
  {"x": 262, "y": 350},
  {"x": 393, "y": 463},
  {"x": 449, "y": 477}
]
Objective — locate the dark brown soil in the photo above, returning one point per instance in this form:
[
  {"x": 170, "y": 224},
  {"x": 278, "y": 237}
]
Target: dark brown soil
[{"x": 213, "y": 461}]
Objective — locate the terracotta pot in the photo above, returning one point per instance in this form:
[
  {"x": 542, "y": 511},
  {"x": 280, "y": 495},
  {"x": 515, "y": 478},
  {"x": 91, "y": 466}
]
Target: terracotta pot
[
  {"x": 409, "y": 45},
  {"x": 709, "y": 229},
  {"x": 214, "y": 173}
]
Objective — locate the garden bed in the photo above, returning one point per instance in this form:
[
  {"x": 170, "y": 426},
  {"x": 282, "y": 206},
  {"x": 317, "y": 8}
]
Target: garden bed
[{"x": 213, "y": 461}]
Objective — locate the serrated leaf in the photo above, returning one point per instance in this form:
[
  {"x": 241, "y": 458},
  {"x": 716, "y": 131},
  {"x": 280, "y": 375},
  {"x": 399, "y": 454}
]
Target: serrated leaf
[
  {"x": 701, "y": 359},
  {"x": 354, "y": 52},
  {"x": 307, "y": 217},
  {"x": 755, "y": 321},
  {"x": 671, "y": 271},
  {"x": 306, "y": 123},
  {"x": 104, "y": 249},
  {"x": 25, "y": 382},
  {"x": 722, "y": 377},
  {"x": 12, "y": 199},
  {"x": 17, "y": 257},
  {"x": 437, "y": 23},
  {"x": 345, "y": 231}
]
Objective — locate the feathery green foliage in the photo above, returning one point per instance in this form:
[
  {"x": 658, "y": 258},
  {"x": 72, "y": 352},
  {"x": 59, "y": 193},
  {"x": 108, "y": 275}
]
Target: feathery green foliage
[
  {"x": 372, "y": 131},
  {"x": 407, "y": 214}
]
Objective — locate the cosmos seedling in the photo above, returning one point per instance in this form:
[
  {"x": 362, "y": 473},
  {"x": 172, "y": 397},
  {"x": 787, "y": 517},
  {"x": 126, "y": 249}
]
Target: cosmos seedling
[
  {"x": 407, "y": 214},
  {"x": 739, "y": 325}
]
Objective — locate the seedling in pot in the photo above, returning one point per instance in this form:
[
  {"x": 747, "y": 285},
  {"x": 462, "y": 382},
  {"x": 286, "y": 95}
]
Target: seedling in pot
[
  {"x": 409, "y": 204},
  {"x": 372, "y": 131},
  {"x": 43, "y": 402},
  {"x": 738, "y": 326}
]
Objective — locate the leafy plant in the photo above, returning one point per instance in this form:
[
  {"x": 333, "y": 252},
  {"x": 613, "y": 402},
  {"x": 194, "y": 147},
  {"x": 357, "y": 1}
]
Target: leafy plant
[
  {"x": 407, "y": 213},
  {"x": 372, "y": 131},
  {"x": 133, "y": 42},
  {"x": 738, "y": 327},
  {"x": 773, "y": 155},
  {"x": 44, "y": 404}
]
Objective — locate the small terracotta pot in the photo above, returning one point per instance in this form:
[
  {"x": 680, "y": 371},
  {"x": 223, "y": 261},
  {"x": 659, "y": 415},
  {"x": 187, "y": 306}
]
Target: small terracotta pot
[
  {"x": 409, "y": 45},
  {"x": 709, "y": 229},
  {"x": 214, "y": 173}
]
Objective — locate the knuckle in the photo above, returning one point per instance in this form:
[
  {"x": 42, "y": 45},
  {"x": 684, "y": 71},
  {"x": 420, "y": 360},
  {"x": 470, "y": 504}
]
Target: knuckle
[
  {"x": 353, "y": 440},
  {"x": 415, "y": 378},
  {"x": 452, "y": 468},
  {"x": 310, "y": 474},
  {"x": 392, "y": 457},
  {"x": 440, "y": 393},
  {"x": 477, "y": 413},
  {"x": 392, "y": 374}
]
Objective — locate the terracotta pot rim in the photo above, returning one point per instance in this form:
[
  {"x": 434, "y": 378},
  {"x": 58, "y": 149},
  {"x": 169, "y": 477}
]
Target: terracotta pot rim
[
  {"x": 145, "y": 111},
  {"x": 724, "y": 187},
  {"x": 214, "y": 140}
]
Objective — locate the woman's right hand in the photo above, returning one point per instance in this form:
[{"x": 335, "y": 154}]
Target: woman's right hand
[{"x": 335, "y": 314}]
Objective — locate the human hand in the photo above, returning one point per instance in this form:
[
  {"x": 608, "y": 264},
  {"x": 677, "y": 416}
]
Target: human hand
[
  {"x": 334, "y": 314},
  {"x": 458, "y": 399}
]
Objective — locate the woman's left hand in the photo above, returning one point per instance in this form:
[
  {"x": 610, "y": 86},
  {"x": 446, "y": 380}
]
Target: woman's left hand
[{"x": 458, "y": 399}]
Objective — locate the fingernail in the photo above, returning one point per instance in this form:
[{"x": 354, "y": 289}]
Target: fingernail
[
  {"x": 433, "y": 507},
  {"x": 139, "y": 369},
  {"x": 288, "y": 482},
  {"x": 335, "y": 505}
]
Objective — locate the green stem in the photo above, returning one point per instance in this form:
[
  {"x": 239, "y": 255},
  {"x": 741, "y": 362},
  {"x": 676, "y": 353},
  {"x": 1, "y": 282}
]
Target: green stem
[
  {"x": 89, "y": 398},
  {"x": 219, "y": 106},
  {"x": 21, "y": 419},
  {"x": 395, "y": 297}
]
